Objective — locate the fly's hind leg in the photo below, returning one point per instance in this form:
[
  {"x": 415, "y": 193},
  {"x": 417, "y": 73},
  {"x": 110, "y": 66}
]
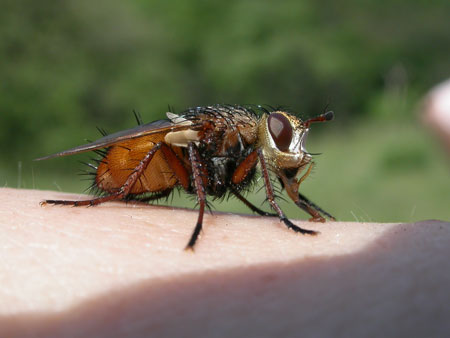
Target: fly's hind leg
[{"x": 120, "y": 193}]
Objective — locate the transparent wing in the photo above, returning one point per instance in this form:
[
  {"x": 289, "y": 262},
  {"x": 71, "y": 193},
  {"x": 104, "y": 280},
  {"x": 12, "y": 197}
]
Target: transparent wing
[{"x": 160, "y": 126}]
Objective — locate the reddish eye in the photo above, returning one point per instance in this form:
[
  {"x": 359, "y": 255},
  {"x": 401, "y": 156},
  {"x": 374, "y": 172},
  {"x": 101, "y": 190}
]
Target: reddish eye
[{"x": 281, "y": 130}]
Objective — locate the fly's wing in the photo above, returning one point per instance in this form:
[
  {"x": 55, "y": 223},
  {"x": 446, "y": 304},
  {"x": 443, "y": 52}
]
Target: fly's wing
[{"x": 161, "y": 126}]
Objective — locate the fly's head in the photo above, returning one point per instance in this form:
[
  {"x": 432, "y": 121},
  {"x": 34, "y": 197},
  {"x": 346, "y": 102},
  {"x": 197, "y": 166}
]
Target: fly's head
[{"x": 282, "y": 139}]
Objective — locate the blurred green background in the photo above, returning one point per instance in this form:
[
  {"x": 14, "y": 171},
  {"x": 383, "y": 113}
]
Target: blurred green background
[{"x": 68, "y": 66}]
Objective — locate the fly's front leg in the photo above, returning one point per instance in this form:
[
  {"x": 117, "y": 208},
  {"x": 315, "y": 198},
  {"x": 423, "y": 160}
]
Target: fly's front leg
[
  {"x": 199, "y": 185},
  {"x": 313, "y": 209},
  {"x": 274, "y": 204},
  {"x": 308, "y": 206},
  {"x": 124, "y": 189},
  {"x": 304, "y": 203},
  {"x": 292, "y": 185}
]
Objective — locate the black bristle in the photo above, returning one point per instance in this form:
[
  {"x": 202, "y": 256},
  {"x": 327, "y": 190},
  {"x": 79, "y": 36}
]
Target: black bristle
[
  {"x": 100, "y": 152},
  {"x": 138, "y": 117},
  {"x": 102, "y": 131},
  {"x": 90, "y": 165}
]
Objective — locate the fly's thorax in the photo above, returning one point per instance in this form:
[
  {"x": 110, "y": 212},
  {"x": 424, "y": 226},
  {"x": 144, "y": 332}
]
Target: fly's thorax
[
  {"x": 223, "y": 131},
  {"x": 281, "y": 138}
]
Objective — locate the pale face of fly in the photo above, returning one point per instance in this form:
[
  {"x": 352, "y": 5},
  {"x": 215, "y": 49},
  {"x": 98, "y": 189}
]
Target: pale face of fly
[{"x": 282, "y": 138}]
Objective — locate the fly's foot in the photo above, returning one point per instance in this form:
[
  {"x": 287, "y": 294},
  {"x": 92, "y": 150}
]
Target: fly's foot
[
  {"x": 317, "y": 219},
  {"x": 296, "y": 228}
]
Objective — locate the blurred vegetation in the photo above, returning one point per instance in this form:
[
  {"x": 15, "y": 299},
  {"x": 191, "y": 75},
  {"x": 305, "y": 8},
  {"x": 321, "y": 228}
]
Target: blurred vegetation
[{"x": 70, "y": 65}]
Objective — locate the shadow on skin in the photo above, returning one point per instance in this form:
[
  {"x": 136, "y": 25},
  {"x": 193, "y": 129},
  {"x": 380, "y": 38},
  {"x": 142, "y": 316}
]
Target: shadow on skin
[{"x": 373, "y": 292}]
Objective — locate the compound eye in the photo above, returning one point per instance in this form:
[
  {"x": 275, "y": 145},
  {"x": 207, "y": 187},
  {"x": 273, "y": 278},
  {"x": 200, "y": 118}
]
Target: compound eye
[{"x": 281, "y": 130}]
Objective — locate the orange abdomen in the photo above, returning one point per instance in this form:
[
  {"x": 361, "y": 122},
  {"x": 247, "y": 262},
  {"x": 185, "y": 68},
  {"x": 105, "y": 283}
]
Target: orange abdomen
[{"x": 122, "y": 159}]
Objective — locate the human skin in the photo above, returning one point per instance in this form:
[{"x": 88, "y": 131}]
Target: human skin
[
  {"x": 436, "y": 111},
  {"x": 119, "y": 270}
]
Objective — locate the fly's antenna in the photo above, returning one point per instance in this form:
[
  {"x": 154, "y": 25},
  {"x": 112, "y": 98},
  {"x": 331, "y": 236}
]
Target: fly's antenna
[{"x": 328, "y": 116}]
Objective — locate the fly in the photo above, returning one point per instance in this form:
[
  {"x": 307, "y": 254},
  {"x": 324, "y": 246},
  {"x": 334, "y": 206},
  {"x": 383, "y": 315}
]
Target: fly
[{"x": 206, "y": 151}]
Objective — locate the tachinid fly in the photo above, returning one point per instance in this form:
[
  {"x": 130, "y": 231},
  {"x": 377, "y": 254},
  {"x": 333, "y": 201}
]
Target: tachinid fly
[{"x": 206, "y": 151}]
